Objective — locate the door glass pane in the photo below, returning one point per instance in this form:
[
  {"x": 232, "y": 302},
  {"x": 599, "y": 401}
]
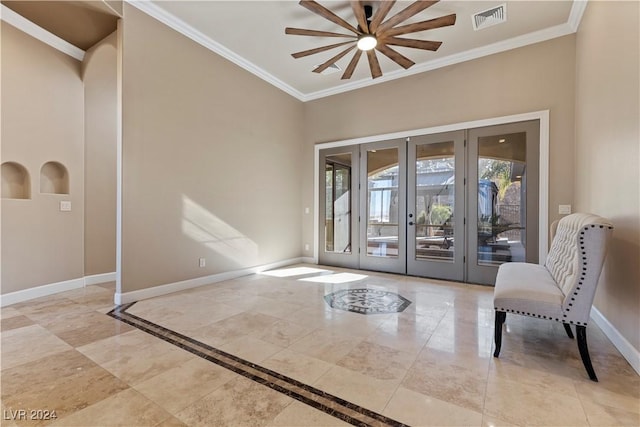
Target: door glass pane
[
  {"x": 435, "y": 197},
  {"x": 382, "y": 206},
  {"x": 501, "y": 198},
  {"x": 338, "y": 203}
]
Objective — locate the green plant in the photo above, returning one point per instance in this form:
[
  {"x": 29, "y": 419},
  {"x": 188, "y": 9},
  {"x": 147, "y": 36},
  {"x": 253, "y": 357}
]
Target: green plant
[
  {"x": 498, "y": 171},
  {"x": 422, "y": 218},
  {"x": 440, "y": 214}
]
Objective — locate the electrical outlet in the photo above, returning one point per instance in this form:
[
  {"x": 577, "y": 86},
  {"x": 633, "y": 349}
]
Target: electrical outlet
[
  {"x": 306, "y": 246},
  {"x": 65, "y": 206},
  {"x": 306, "y": 211},
  {"x": 202, "y": 262},
  {"x": 564, "y": 209}
]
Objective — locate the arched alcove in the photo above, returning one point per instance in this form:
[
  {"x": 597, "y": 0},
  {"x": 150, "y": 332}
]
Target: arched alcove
[
  {"x": 54, "y": 178},
  {"x": 16, "y": 183}
]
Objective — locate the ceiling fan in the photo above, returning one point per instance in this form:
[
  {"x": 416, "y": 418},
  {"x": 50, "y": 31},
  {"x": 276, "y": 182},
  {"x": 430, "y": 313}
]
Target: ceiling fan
[{"x": 372, "y": 32}]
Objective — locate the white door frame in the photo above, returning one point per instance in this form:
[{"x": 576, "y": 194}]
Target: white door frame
[{"x": 543, "y": 203}]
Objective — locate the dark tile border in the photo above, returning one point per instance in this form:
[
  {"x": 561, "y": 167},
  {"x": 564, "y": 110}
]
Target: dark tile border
[{"x": 325, "y": 402}]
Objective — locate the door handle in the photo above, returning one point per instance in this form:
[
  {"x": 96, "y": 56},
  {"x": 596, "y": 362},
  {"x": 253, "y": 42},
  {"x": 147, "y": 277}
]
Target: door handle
[{"x": 410, "y": 222}]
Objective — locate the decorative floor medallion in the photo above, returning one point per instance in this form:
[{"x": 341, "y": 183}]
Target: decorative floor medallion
[{"x": 367, "y": 301}]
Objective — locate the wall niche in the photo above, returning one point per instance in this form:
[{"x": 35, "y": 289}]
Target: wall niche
[
  {"x": 16, "y": 183},
  {"x": 54, "y": 178}
]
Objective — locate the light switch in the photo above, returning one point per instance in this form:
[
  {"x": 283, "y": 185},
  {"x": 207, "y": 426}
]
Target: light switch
[
  {"x": 65, "y": 206},
  {"x": 564, "y": 209}
]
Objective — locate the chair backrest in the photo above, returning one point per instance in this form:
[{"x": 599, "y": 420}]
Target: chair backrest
[{"x": 575, "y": 261}]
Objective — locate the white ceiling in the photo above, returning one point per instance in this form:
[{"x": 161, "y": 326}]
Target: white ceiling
[{"x": 251, "y": 34}]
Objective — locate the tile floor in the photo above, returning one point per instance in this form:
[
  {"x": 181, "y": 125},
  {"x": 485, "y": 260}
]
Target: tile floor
[{"x": 268, "y": 350}]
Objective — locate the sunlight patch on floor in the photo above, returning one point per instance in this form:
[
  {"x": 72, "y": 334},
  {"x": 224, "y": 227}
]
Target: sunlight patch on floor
[
  {"x": 336, "y": 278},
  {"x": 295, "y": 271}
]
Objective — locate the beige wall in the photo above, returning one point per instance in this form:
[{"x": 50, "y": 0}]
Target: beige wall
[
  {"x": 607, "y": 177},
  {"x": 100, "y": 93},
  {"x": 532, "y": 78},
  {"x": 211, "y": 161},
  {"x": 42, "y": 120}
]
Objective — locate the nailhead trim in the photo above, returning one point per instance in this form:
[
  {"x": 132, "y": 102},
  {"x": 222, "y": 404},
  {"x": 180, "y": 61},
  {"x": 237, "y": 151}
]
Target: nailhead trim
[
  {"x": 572, "y": 322},
  {"x": 577, "y": 323}
]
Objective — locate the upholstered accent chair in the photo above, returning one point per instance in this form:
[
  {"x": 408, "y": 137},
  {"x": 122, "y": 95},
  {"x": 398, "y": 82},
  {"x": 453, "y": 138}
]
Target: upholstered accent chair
[{"x": 561, "y": 290}]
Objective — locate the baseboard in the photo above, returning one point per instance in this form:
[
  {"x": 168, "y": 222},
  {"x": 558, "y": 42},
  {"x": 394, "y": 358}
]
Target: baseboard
[
  {"x": 629, "y": 352},
  {"x": 127, "y": 297},
  {"x": 54, "y": 288},
  {"x": 309, "y": 260},
  {"x": 40, "y": 291},
  {"x": 96, "y": 279}
]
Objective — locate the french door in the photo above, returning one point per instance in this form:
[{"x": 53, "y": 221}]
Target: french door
[
  {"x": 383, "y": 206},
  {"x": 436, "y": 201},
  {"x": 338, "y": 229},
  {"x": 452, "y": 205},
  {"x": 503, "y": 193}
]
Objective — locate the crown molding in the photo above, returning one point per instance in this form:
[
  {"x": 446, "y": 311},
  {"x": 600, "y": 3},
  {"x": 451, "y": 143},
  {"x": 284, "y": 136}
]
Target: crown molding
[
  {"x": 575, "y": 16},
  {"x": 197, "y": 36},
  {"x": 23, "y": 24},
  {"x": 501, "y": 46},
  {"x": 571, "y": 26}
]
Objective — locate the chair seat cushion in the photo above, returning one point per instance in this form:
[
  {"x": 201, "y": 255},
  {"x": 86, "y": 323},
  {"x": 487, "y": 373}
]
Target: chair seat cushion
[{"x": 528, "y": 289}]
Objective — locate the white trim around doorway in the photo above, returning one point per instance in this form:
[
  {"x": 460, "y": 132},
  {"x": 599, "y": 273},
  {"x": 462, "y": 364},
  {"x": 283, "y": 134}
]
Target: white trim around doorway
[{"x": 543, "y": 203}]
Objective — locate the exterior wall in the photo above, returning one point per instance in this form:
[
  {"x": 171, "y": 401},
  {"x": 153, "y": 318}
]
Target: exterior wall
[
  {"x": 42, "y": 121},
  {"x": 607, "y": 177},
  {"x": 531, "y": 78},
  {"x": 211, "y": 161},
  {"x": 100, "y": 93}
]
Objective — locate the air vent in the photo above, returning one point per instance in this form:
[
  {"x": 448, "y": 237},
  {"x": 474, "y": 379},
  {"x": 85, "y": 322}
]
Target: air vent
[
  {"x": 490, "y": 17},
  {"x": 331, "y": 69}
]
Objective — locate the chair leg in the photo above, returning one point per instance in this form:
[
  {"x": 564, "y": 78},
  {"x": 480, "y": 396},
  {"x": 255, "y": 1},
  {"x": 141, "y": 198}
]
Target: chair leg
[
  {"x": 567, "y": 328},
  {"x": 500, "y": 318},
  {"x": 581, "y": 331}
]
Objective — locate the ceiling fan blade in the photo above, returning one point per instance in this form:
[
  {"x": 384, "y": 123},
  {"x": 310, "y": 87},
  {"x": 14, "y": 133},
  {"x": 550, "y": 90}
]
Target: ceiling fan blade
[
  {"x": 352, "y": 65},
  {"x": 380, "y": 14},
  {"x": 405, "y": 14},
  {"x": 358, "y": 11},
  {"x": 443, "y": 21},
  {"x": 416, "y": 44},
  {"x": 303, "y": 32},
  {"x": 318, "y": 9},
  {"x": 333, "y": 60},
  {"x": 318, "y": 49},
  {"x": 374, "y": 65},
  {"x": 395, "y": 56}
]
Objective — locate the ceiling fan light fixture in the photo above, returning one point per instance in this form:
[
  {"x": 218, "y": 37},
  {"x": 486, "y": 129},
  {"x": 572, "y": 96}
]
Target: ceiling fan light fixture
[
  {"x": 372, "y": 30},
  {"x": 367, "y": 42}
]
